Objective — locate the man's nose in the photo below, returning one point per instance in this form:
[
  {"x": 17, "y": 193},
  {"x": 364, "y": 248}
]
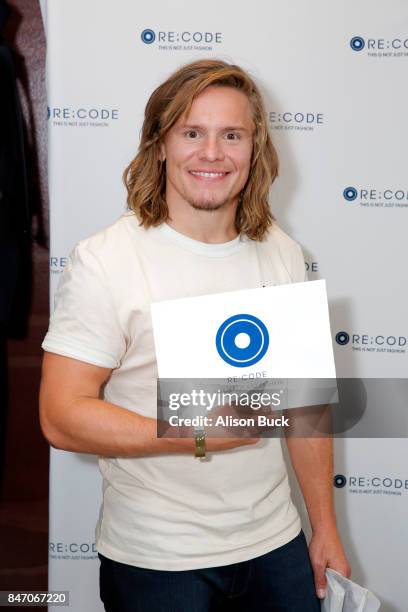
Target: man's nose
[{"x": 211, "y": 149}]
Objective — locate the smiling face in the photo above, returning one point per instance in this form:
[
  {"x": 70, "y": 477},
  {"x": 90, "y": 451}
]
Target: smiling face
[{"x": 208, "y": 152}]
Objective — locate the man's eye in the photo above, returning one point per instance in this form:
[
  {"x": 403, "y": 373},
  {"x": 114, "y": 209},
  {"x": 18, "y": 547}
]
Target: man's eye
[{"x": 192, "y": 134}]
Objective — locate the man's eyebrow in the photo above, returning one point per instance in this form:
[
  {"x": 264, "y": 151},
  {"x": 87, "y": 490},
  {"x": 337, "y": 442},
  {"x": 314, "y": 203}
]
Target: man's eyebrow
[
  {"x": 228, "y": 128},
  {"x": 235, "y": 128}
]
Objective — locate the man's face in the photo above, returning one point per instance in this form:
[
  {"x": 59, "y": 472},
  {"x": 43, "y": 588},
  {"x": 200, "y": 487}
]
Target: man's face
[{"x": 208, "y": 152}]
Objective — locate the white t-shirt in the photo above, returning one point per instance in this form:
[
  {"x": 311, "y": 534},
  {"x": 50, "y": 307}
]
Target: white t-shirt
[{"x": 172, "y": 512}]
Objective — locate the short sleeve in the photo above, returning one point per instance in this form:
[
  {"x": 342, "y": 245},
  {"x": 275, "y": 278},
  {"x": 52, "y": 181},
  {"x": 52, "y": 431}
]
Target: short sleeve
[
  {"x": 299, "y": 272},
  {"x": 85, "y": 323}
]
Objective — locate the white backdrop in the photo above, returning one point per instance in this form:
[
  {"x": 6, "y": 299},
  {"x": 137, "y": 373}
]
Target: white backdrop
[{"x": 334, "y": 77}]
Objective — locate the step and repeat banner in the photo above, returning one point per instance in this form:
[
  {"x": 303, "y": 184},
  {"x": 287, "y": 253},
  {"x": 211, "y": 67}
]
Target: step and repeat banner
[{"x": 334, "y": 78}]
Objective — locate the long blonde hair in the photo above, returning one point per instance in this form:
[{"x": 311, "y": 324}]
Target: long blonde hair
[{"x": 145, "y": 176}]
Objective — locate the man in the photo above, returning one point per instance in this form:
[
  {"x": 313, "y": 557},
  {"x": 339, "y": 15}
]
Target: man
[{"x": 176, "y": 533}]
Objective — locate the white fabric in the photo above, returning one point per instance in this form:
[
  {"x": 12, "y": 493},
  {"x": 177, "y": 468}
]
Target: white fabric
[
  {"x": 343, "y": 595},
  {"x": 43, "y": 7},
  {"x": 171, "y": 511}
]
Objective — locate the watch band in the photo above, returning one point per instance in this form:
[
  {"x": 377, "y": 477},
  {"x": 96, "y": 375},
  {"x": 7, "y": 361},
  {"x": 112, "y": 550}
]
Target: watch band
[{"x": 200, "y": 443}]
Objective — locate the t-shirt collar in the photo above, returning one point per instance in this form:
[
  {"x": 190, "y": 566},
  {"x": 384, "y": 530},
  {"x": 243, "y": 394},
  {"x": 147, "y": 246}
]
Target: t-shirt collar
[{"x": 201, "y": 248}]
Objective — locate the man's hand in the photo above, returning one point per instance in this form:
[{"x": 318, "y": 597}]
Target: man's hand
[{"x": 326, "y": 550}]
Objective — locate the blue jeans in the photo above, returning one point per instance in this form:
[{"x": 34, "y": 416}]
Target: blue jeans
[{"x": 279, "y": 581}]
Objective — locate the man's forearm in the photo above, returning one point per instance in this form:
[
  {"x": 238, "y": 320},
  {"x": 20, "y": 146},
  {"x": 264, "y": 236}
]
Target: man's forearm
[
  {"x": 73, "y": 417},
  {"x": 312, "y": 460},
  {"x": 90, "y": 425}
]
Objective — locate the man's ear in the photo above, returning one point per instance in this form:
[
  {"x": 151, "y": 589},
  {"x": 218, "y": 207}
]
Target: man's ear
[{"x": 162, "y": 152}]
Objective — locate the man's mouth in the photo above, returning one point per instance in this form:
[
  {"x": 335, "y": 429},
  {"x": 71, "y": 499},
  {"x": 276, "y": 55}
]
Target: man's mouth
[{"x": 209, "y": 174}]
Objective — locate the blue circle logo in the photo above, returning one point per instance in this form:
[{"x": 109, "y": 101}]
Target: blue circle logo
[
  {"x": 342, "y": 338},
  {"x": 148, "y": 36},
  {"x": 339, "y": 481},
  {"x": 350, "y": 194},
  {"x": 242, "y": 340},
  {"x": 357, "y": 43}
]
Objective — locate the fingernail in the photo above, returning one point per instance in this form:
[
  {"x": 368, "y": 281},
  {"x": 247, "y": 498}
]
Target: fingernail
[{"x": 321, "y": 593}]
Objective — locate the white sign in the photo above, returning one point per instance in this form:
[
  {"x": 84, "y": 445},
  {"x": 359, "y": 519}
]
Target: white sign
[{"x": 283, "y": 331}]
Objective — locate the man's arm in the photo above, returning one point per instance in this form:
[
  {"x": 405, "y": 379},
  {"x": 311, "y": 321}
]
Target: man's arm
[
  {"x": 312, "y": 460},
  {"x": 74, "y": 418}
]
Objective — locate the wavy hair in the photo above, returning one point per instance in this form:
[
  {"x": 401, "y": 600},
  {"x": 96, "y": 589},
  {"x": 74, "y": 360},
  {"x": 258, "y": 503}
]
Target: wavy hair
[{"x": 145, "y": 176}]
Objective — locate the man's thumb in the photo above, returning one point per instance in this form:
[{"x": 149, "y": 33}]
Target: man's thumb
[{"x": 320, "y": 581}]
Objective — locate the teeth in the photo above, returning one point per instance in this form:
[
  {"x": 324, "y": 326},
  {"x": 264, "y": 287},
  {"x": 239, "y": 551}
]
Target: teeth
[{"x": 208, "y": 174}]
